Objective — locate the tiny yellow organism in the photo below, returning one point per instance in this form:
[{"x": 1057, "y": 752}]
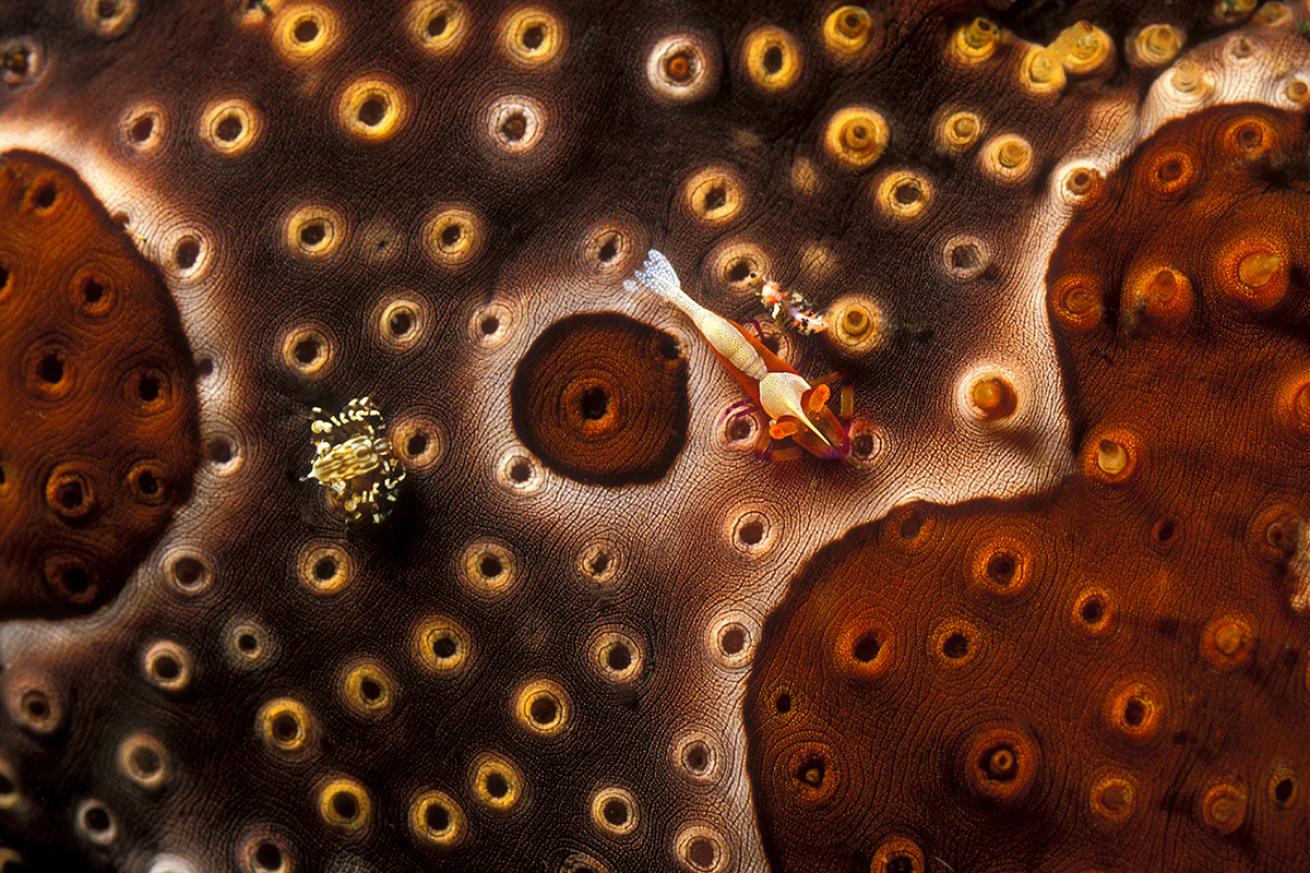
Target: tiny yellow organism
[{"x": 354, "y": 461}]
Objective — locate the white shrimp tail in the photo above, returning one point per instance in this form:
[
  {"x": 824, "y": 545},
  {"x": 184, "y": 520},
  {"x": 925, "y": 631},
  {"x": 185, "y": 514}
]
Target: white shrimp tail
[{"x": 658, "y": 276}]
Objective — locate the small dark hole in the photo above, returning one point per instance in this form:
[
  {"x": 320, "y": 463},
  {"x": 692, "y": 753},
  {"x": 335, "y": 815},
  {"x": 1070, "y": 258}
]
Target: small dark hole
[
  {"x": 436, "y": 25},
  {"x": 595, "y": 402},
  {"x": 1165, "y": 532},
  {"x": 444, "y": 647},
  {"x": 490, "y": 325},
  {"x": 496, "y": 784},
  {"x": 740, "y": 271},
  {"x": 520, "y": 471},
  {"x": 44, "y": 197},
  {"x": 965, "y": 256},
  {"x": 599, "y": 563},
  {"x": 852, "y": 21},
  {"x": 220, "y": 451},
  {"x": 544, "y": 710},
  {"x": 229, "y": 128},
  {"x": 437, "y": 818},
  {"x": 188, "y": 571},
  {"x": 534, "y": 36},
  {"x": 50, "y": 369},
  {"x": 899, "y": 864},
  {"x": 451, "y": 234},
  {"x": 732, "y": 640},
  {"x": 36, "y": 705},
  {"x": 1170, "y": 170},
  {"x": 416, "y": 445},
  {"x": 96, "y": 819},
  {"x": 7, "y": 785},
  {"x": 609, "y": 250},
  {"x": 306, "y": 351},
  {"x": 4, "y": 277},
  {"x": 911, "y": 525},
  {"x": 313, "y": 233},
  {"x": 70, "y": 494},
  {"x": 697, "y": 757},
  {"x": 615, "y": 812},
  {"x": 346, "y": 806},
  {"x": 515, "y": 127},
  {"x": 1093, "y": 610},
  {"x": 1284, "y": 789},
  {"x": 1001, "y": 764},
  {"x": 268, "y": 857},
  {"x": 92, "y": 290},
  {"x": 1001, "y": 568},
  {"x": 866, "y": 648},
  {"x": 1134, "y": 712},
  {"x": 2, "y": 475},
  {"x": 862, "y": 444},
  {"x": 782, "y": 703},
  {"x": 373, "y": 111},
  {"x": 107, "y": 8},
  {"x": 167, "y": 667},
  {"x": 701, "y": 852},
  {"x": 148, "y": 388},
  {"x": 205, "y": 367},
  {"x": 247, "y": 642},
  {"x": 148, "y": 483},
  {"x": 618, "y": 657},
  {"x": 400, "y": 323},
  {"x": 306, "y": 30},
  {"x": 490, "y": 566},
  {"x": 285, "y": 727},
  {"x": 812, "y": 771},
  {"x": 679, "y": 66},
  {"x": 740, "y": 429},
  {"x": 752, "y": 532},
  {"x": 371, "y": 690},
  {"x": 145, "y": 761},
  {"x": 75, "y": 580},
  {"x": 955, "y": 646},
  {"x": 187, "y": 253},
  {"x": 772, "y": 59},
  {"x": 325, "y": 568},
  {"x": 907, "y": 193},
  {"x": 142, "y": 128},
  {"x": 1249, "y": 137},
  {"x": 715, "y": 198}
]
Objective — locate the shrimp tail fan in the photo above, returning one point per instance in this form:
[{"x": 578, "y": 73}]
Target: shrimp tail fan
[{"x": 656, "y": 275}]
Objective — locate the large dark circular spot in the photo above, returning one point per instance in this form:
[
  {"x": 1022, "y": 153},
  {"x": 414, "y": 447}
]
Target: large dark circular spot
[{"x": 602, "y": 398}]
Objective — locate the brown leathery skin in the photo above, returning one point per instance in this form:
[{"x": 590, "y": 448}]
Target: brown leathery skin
[
  {"x": 98, "y": 438},
  {"x": 335, "y": 697},
  {"x": 1113, "y": 675}
]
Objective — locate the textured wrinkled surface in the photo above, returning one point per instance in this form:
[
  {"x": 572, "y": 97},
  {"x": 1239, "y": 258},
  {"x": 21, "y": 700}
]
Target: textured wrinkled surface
[
  {"x": 536, "y": 663},
  {"x": 1128, "y": 639},
  {"x": 98, "y": 436},
  {"x": 602, "y": 399}
]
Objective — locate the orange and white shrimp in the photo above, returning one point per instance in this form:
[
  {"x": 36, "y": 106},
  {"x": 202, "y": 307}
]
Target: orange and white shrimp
[
  {"x": 796, "y": 408},
  {"x": 789, "y": 307}
]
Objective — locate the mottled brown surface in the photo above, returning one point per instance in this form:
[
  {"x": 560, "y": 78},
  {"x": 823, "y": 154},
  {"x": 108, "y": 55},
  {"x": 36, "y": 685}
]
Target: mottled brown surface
[
  {"x": 1112, "y": 676},
  {"x": 602, "y": 398},
  {"x": 519, "y": 670},
  {"x": 98, "y": 432}
]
